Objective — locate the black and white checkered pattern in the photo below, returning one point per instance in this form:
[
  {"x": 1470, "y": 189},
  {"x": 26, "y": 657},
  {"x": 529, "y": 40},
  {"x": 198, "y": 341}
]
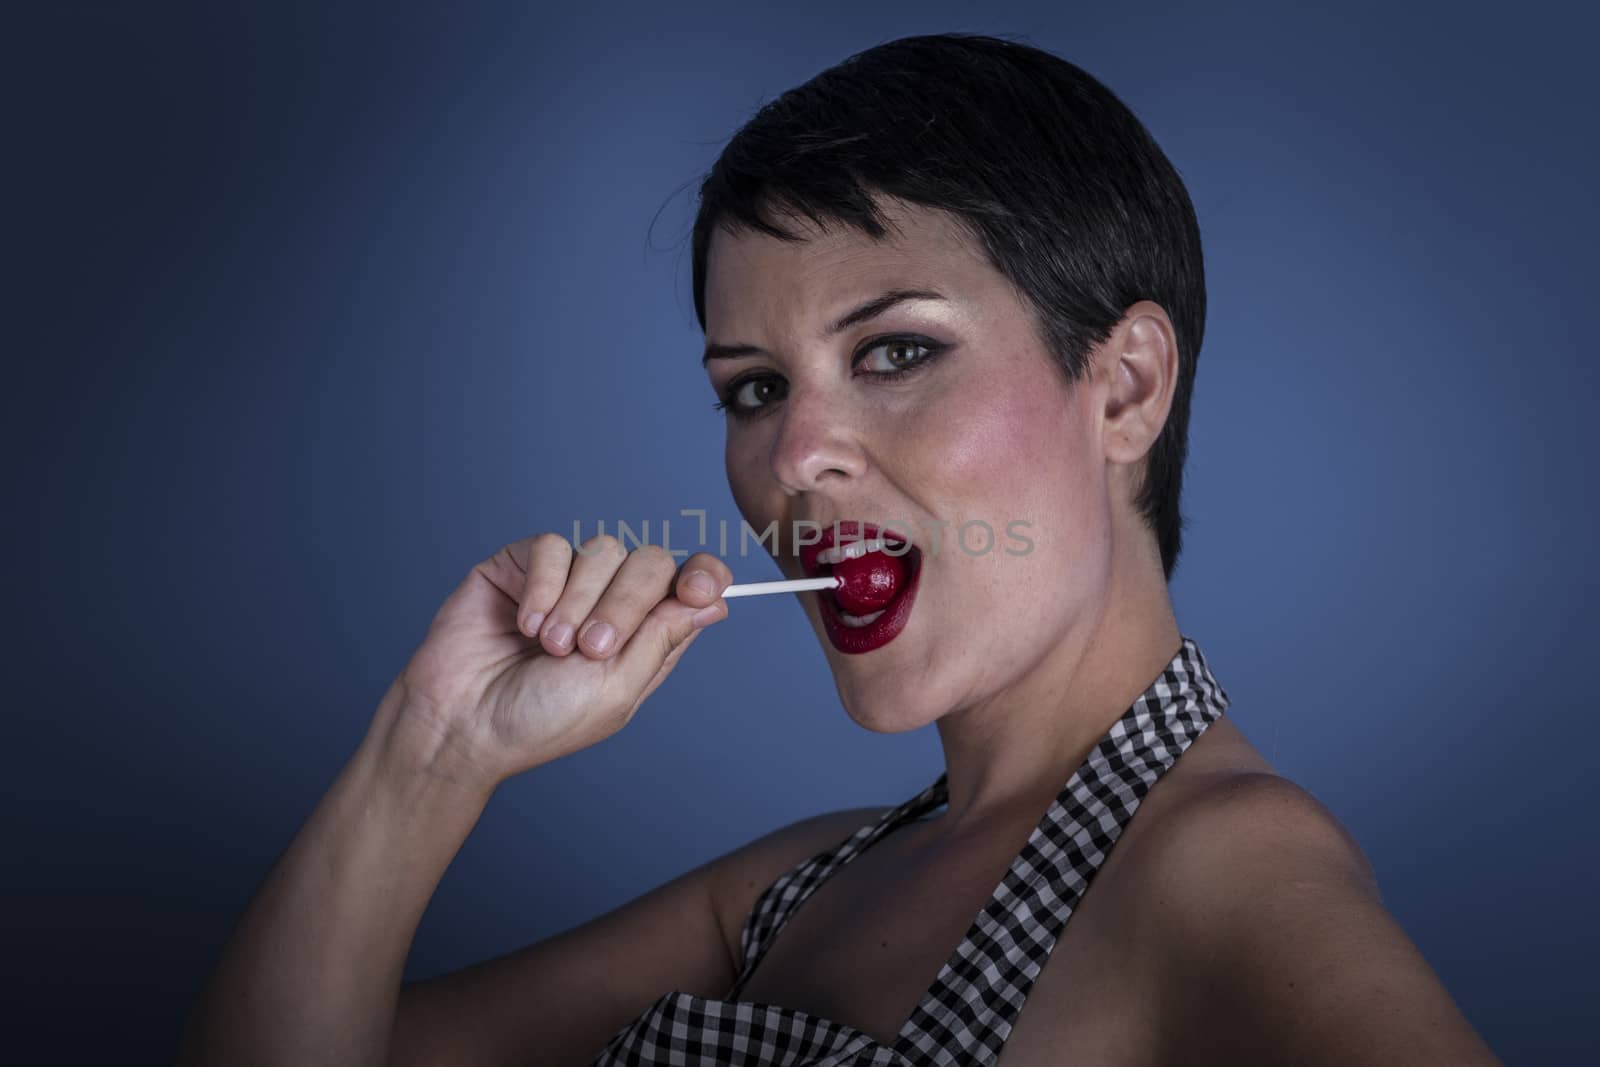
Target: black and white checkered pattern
[{"x": 967, "y": 1014}]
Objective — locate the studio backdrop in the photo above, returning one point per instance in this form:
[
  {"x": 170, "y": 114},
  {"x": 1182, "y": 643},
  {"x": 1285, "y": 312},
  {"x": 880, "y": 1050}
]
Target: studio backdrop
[{"x": 318, "y": 305}]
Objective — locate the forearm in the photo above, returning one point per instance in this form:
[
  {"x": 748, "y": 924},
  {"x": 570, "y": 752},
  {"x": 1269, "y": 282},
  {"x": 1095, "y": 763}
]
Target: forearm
[{"x": 312, "y": 971}]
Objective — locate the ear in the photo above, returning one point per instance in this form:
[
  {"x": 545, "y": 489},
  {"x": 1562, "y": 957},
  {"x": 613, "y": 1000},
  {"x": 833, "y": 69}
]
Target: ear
[{"x": 1139, "y": 365}]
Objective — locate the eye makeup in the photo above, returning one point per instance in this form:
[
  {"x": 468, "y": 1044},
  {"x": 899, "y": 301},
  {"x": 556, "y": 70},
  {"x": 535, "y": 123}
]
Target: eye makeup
[{"x": 932, "y": 350}]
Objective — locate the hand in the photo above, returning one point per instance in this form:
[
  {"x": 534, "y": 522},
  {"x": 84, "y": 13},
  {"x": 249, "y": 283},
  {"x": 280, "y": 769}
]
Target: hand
[{"x": 515, "y": 671}]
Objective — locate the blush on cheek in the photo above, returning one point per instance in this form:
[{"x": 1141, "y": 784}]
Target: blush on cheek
[
  {"x": 1007, "y": 435},
  {"x": 1022, "y": 454}
]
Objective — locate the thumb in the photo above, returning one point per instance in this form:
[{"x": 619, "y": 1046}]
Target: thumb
[{"x": 657, "y": 644}]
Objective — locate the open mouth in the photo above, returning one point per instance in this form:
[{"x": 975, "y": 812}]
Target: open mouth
[
  {"x": 878, "y": 576},
  {"x": 871, "y": 574}
]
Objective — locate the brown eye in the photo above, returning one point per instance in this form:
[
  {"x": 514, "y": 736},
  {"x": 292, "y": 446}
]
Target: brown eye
[
  {"x": 900, "y": 353},
  {"x": 750, "y": 396},
  {"x": 756, "y": 392},
  {"x": 883, "y": 359}
]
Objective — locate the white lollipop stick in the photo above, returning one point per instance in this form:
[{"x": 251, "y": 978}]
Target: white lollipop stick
[{"x": 796, "y": 585}]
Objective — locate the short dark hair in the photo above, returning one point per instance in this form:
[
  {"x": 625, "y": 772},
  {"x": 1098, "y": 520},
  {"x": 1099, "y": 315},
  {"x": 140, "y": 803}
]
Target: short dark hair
[{"x": 1057, "y": 181}]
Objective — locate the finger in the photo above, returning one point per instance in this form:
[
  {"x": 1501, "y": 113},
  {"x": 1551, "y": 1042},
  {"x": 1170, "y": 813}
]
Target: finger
[
  {"x": 641, "y": 583},
  {"x": 490, "y": 592},
  {"x": 549, "y": 561},
  {"x": 703, "y": 578},
  {"x": 649, "y": 655},
  {"x": 597, "y": 562},
  {"x": 665, "y": 669}
]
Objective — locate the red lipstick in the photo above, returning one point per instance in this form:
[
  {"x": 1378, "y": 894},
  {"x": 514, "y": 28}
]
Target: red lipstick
[{"x": 892, "y": 584}]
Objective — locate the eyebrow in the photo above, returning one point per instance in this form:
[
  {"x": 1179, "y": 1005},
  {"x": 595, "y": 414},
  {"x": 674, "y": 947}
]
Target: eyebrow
[{"x": 870, "y": 310}]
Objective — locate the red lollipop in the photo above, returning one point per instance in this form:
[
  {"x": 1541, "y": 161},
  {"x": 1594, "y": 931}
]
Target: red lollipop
[{"x": 868, "y": 583}]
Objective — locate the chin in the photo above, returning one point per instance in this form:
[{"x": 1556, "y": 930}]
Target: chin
[
  {"x": 878, "y": 690},
  {"x": 881, "y": 706}
]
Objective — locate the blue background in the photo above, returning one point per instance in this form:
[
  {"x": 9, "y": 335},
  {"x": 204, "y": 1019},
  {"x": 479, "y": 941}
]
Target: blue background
[{"x": 316, "y": 309}]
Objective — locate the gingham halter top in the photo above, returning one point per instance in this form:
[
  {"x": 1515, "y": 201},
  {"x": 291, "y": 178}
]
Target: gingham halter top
[{"x": 966, "y": 1015}]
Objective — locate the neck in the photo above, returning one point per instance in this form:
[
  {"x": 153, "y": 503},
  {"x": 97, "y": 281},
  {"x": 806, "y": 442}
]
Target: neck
[{"x": 1008, "y": 755}]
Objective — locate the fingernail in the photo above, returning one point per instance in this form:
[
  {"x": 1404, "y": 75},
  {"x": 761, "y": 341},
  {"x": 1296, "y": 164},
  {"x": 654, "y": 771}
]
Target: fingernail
[
  {"x": 706, "y": 616},
  {"x": 560, "y": 635},
  {"x": 599, "y": 636},
  {"x": 700, "y": 582},
  {"x": 532, "y": 625}
]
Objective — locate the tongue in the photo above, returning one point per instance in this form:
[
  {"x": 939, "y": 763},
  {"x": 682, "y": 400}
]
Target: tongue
[{"x": 868, "y": 583}]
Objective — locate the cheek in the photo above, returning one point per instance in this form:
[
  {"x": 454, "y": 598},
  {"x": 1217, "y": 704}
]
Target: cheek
[
  {"x": 748, "y": 475},
  {"x": 1015, "y": 444},
  {"x": 736, "y": 462},
  {"x": 1022, "y": 452}
]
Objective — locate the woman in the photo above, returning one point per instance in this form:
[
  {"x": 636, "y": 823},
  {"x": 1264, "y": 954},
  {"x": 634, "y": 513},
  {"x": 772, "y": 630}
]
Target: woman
[{"x": 948, "y": 285}]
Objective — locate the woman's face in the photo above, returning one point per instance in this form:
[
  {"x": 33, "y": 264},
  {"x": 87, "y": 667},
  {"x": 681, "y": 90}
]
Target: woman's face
[{"x": 928, "y": 416}]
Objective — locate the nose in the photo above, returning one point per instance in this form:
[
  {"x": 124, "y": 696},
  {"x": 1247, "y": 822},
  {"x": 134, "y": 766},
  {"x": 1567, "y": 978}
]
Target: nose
[{"x": 816, "y": 443}]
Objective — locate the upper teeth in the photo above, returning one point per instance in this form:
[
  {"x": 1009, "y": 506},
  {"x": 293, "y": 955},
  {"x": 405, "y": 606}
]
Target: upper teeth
[{"x": 852, "y": 550}]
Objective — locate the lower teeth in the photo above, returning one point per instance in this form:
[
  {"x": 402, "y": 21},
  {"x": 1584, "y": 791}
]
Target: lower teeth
[{"x": 859, "y": 620}]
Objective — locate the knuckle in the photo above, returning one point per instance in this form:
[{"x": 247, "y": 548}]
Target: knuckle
[
  {"x": 650, "y": 586},
  {"x": 619, "y": 611},
  {"x": 547, "y": 542},
  {"x": 498, "y": 561},
  {"x": 639, "y": 585},
  {"x": 604, "y": 545},
  {"x": 654, "y": 557}
]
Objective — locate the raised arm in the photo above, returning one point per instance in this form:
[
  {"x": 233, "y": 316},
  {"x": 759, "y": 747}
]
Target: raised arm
[
  {"x": 311, "y": 971},
  {"x": 508, "y": 679}
]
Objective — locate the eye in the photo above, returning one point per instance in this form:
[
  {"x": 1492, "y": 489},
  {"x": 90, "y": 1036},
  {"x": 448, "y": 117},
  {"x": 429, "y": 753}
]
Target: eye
[
  {"x": 880, "y": 359},
  {"x": 751, "y": 394},
  {"x": 900, "y": 354}
]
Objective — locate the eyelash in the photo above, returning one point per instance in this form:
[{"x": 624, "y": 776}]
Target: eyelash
[{"x": 932, "y": 349}]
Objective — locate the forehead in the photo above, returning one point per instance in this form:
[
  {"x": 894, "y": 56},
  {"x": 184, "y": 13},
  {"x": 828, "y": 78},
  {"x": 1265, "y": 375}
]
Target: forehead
[{"x": 758, "y": 283}]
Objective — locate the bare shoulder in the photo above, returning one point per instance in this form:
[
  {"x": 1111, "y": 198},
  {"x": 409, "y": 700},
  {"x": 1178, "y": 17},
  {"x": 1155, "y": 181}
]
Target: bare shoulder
[
  {"x": 1233, "y": 829},
  {"x": 741, "y": 876},
  {"x": 1280, "y": 946}
]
